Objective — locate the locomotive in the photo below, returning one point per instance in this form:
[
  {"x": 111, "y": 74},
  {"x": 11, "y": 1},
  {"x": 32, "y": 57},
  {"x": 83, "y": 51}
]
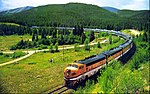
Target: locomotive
[{"x": 83, "y": 69}]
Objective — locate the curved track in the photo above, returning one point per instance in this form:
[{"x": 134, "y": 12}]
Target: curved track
[{"x": 127, "y": 38}]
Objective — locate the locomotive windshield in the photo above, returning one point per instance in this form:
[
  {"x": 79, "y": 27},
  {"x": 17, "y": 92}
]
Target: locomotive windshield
[{"x": 73, "y": 65}]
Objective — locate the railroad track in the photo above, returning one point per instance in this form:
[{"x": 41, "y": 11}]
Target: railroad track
[{"x": 59, "y": 90}]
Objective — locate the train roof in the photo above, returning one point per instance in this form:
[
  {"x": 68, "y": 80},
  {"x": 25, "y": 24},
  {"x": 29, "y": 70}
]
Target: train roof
[
  {"x": 120, "y": 34},
  {"x": 112, "y": 51},
  {"x": 92, "y": 59},
  {"x": 125, "y": 44}
]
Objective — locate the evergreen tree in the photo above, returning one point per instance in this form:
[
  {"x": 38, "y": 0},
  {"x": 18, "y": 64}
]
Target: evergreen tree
[
  {"x": 86, "y": 44},
  {"x": 33, "y": 36},
  {"x": 110, "y": 39},
  {"x": 75, "y": 30},
  {"x": 98, "y": 45},
  {"x": 20, "y": 44},
  {"x": 92, "y": 37},
  {"x": 54, "y": 33},
  {"x": 81, "y": 30},
  {"x": 145, "y": 37},
  {"x": 34, "y": 44},
  {"x": 83, "y": 37},
  {"x": 56, "y": 47},
  {"x": 51, "y": 48},
  {"x": 36, "y": 37},
  {"x": 43, "y": 34}
]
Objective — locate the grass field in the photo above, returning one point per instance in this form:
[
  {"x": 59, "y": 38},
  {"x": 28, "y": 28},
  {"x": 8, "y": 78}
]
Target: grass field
[
  {"x": 132, "y": 32},
  {"x": 6, "y": 23},
  {"x": 35, "y": 74},
  {"x": 4, "y": 59},
  {"x": 7, "y": 41},
  {"x": 10, "y": 56}
]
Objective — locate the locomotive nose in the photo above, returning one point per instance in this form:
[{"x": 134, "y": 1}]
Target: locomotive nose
[
  {"x": 68, "y": 71},
  {"x": 71, "y": 71}
]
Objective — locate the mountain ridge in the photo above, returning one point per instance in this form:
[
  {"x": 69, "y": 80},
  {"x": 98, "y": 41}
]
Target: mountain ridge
[
  {"x": 111, "y": 9},
  {"x": 15, "y": 10},
  {"x": 72, "y": 14}
]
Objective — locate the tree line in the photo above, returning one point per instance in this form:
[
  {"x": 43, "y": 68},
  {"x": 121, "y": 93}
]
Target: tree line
[
  {"x": 14, "y": 29},
  {"x": 43, "y": 37}
]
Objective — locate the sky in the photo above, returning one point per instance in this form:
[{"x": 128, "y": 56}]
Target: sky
[{"x": 120, "y": 4}]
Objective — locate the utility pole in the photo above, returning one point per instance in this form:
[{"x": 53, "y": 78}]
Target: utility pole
[
  {"x": 63, "y": 52},
  {"x": 63, "y": 37},
  {"x": 63, "y": 44},
  {"x": 96, "y": 37}
]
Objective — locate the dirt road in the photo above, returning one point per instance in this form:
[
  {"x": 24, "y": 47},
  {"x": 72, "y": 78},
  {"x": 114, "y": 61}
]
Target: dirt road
[{"x": 35, "y": 51}]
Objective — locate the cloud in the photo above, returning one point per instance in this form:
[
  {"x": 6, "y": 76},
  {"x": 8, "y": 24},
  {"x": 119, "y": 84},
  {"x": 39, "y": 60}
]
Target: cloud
[
  {"x": 137, "y": 5},
  {"x": 121, "y": 4},
  {"x": 113, "y": 3},
  {"x": 126, "y": 4}
]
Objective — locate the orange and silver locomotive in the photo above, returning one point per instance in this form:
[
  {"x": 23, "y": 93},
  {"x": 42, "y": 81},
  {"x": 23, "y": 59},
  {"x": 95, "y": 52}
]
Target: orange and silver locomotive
[{"x": 72, "y": 73}]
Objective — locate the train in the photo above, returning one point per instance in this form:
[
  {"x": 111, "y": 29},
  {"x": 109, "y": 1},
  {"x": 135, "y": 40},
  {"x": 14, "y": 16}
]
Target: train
[{"x": 83, "y": 69}]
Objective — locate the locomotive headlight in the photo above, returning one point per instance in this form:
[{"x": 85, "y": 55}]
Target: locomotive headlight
[{"x": 68, "y": 72}]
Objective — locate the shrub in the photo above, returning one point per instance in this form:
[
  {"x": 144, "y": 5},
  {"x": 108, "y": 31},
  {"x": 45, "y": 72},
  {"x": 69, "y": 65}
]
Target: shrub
[
  {"x": 76, "y": 47},
  {"x": 51, "y": 48},
  {"x": 1, "y": 53},
  {"x": 7, "y": 55},
  {"x": 43, "y": 46},
  {"x": 14, "y": 47},
  {"x": 18, "y": 54},
  {"x": 56, "y": 47},
  {"x": 115, "y": 40}
]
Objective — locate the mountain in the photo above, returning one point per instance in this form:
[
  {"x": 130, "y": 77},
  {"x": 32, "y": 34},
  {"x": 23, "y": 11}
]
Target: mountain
[
  {"x": 16, "y": 10},
  {"x": 62, "y": 14},
  {"x": 111, "y": 9},
  {"x": 124, "y": 12},
  {"x": 142, "y": 14},
  {"x": 129, "y": 13},
  {"x": 72, "y": 14}
]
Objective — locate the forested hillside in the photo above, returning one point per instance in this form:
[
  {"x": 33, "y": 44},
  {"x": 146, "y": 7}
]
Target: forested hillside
[
  {"x": 128, "y": 13},
  {"x": 72, "y": 14},
  {"x": 68, "y": 14}
]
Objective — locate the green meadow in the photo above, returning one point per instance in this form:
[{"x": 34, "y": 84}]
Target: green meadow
[
  {"x": 36, "y": 74},
  {"x": 7, "y": 41}
]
